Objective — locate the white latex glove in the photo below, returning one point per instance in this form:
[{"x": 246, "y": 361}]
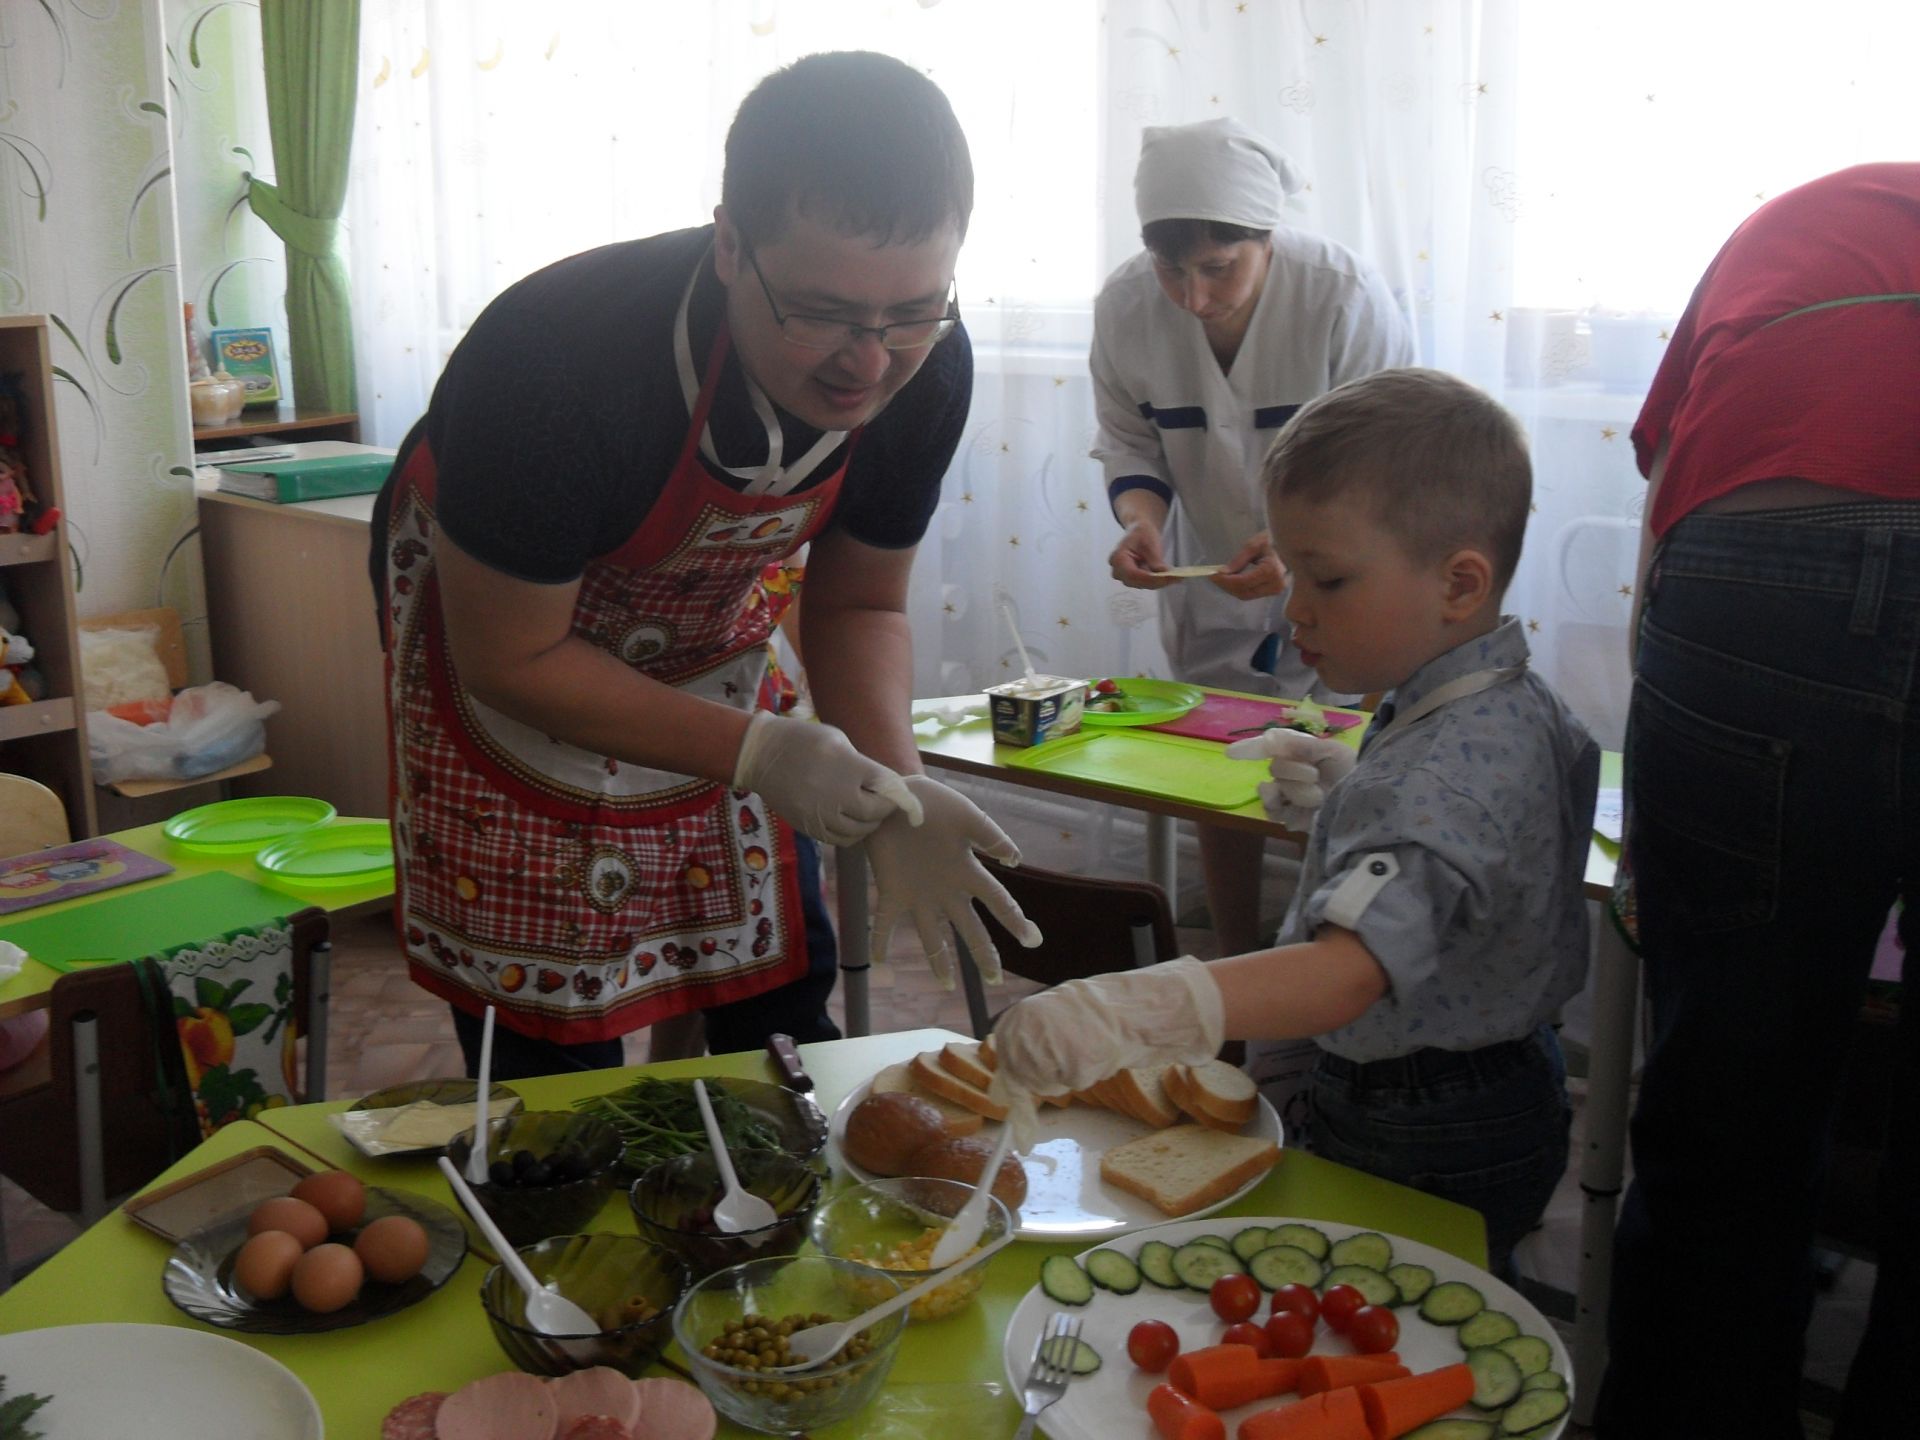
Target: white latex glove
[
  {"x": 1082, "y": 1031},
  {"x": 817, "y": 782},
  {"x": 931, "y": 876},
  {"x": 1304, "y": 768}
]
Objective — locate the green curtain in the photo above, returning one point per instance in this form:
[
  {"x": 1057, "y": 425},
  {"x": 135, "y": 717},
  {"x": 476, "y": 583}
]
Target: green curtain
[{"x": 312, "y": 52}]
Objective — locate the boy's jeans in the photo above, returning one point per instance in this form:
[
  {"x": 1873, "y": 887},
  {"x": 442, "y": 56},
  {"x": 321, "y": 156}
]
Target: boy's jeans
[
  {"x": 1485, "y": 1128},
  {"x": 1771, "y": 746}
]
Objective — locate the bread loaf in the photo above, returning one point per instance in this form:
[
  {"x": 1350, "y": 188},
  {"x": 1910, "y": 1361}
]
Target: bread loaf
[
  {"x": 930, "y": 1075},
  {"x": 884, "y": 1131},
  {"x": 1187, "y": 1167},
  {"x": 1142, "y": 1093},
  {"x": 965, "y": 1159},
  {"x": 1215, "y": 1094},
  {"x": 898, "y": 1079}
]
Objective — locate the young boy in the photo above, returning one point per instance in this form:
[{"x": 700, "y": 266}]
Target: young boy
[{"x": 1439, "y": 920}]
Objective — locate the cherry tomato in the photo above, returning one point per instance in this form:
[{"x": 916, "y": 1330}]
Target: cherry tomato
[
  {"x": 1152, "y": 1345},
  {"x": 1297, "y": 1297},
  {"x": 1374, "y": 1328},
  {"x": 1290, "y": 1333},
  {"x": 1338, "y": 1304},
  {"x": 1105, "y": 687},
  {"x": 1246, "y": 1332},
  {"x": 1234, "y": 1297}
]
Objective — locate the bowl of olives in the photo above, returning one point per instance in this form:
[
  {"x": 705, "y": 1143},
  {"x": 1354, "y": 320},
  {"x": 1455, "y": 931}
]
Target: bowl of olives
[
  {"x": 548, "y": 1172},
  {"x": 673, "y": 1204}
]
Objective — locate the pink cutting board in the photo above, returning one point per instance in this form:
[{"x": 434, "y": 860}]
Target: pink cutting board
[{"x": 1232, "y": 717}]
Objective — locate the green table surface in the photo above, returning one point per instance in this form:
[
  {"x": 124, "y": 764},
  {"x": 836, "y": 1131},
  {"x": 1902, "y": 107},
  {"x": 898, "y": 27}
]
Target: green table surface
[
  {"x": 112, "y": 1272},
  {"x": 28, "y": 990}
]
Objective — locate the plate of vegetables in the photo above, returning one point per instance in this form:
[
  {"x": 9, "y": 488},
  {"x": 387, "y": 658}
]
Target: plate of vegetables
[
  {"x": 658, "y": 1119},
  {"x": 1135, "y": 700},
  {"x": 1288, "y": 1329}
]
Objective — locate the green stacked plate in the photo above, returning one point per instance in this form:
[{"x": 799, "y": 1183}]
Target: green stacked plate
[
  {"x": 1148, "y": 702},
  {"x": 237, "y": 827},
  {"x": 355, "y": 853}
]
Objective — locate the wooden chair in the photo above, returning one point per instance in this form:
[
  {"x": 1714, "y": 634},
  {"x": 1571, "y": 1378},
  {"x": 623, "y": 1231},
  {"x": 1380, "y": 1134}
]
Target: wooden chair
[
  {"x": 1089, "y": 925},
  {"x": 32, "y": 817},
  {"x": 172, "y": 648}
]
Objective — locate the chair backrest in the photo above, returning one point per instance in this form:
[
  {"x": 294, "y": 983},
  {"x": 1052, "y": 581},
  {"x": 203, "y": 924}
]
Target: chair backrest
[
  {"x": 1089, "y": 926},
  {"x": 32, "y": 817},
  {"x": 170, "y": 643}
]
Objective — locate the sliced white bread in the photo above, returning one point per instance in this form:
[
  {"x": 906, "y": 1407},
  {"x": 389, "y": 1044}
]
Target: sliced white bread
[
  {"x": 987, "y": 1057},
  {"x": 1182, "y": 1091},
  {"x": 930, "y": 1075},
  {"x": 1143, "y": 1094},
  {"x": 960, "y": 1120},
  {"x": 1186, "y": 1167},
  {"x": 1214, "y": 1093},
  {"x": 961, "y": 1058}
]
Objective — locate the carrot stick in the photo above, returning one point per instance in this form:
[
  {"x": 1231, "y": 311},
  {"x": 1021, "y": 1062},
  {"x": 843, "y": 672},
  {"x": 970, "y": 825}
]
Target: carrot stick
[
  {"x": 1181, "y": 1417},
  {"x": 1394, "y": 1407},
  {"x": 1278, "y": 1376},
  {"x": 1220, "y": 1377},
  {"x": 1330, "y": 1372},
  {"x": 1332, "y": 1415}
]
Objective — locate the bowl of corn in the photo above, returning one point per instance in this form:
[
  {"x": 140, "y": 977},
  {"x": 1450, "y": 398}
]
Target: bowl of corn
[{"x": 889, "y": 1229}]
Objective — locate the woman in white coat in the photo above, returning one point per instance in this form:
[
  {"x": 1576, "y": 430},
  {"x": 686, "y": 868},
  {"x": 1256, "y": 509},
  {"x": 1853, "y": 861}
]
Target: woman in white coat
[{"x": 1204, "y": 344}]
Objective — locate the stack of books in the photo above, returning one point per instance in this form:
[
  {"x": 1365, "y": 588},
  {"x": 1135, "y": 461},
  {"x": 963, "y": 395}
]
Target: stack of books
[{"x": 288, "y": 481}]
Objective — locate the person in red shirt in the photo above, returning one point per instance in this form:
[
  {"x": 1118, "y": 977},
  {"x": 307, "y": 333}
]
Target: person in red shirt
[{"x": 1769, "y": 755}]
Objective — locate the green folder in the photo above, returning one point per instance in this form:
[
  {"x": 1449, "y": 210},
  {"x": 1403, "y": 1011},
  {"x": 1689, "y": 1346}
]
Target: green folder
[
  {"x": 157, "y": 916},
  {"x": 289, "y": 481}
]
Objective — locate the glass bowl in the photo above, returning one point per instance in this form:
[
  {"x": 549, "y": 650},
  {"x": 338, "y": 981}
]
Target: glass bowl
[
  {"x": 673, "y": 1204},
  {"x": 773, "y": 1289},
  {"x": 630, "y": 1285},
  {"x": 889, "y": 1229},
  {"x": 527, "y": 1212}
]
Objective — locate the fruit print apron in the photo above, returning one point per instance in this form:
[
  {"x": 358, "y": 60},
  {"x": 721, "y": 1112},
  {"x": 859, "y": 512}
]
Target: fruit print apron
[{"x": 584, "y": 896}]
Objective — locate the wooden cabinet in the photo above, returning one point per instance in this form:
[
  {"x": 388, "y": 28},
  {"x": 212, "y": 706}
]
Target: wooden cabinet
[
  {"x": 282, "y": 422},
  {"x": 46, "y": 740}
]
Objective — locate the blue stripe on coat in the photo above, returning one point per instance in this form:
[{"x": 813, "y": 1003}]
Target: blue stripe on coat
[
  {"x": 1272, "y": 417},
  {"x": 1179, "y": 417}
]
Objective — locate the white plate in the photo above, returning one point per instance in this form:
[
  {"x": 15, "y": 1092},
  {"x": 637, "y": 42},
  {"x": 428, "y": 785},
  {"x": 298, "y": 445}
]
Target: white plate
[
  {"x": 1113, "y": 1400},
  {"x": 166, "y": 1383},
  {"x": 1066, "y": 1198}
]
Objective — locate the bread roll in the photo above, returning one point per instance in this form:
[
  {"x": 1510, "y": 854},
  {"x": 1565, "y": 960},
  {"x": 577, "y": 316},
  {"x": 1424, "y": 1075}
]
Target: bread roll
[
  {"x": 965, "y": 1159},
  {"x": 885, "y": 1131}
]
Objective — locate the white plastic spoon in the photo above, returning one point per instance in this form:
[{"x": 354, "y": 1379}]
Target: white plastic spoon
[
  {"x": 1018, "y": 644},
  {"x": 548, "y": 1311},
  {"x": 817, "y": 1343},
  {"x": 477, "y": 1156},
  {"x": 737, "y": 1209},
  {"x": 963, "y": 1233}
]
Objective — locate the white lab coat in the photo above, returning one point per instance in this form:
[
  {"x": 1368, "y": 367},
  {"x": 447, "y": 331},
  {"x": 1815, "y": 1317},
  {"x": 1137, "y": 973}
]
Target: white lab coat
[{"x": 1169, "y": 414}]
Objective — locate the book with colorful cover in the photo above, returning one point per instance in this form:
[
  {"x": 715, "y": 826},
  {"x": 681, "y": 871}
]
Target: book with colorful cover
[
  {"x": 66, "y": 871},
  {"x": 248, "y": 357}
]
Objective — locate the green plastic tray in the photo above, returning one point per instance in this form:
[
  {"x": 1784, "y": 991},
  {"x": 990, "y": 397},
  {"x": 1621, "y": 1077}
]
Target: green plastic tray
[
  {"x": 1155, "y": 702},
  {"x": 1169, "y": 766},
  {"x": 350, "y": 854},
  {"x": 237, "y": 827},
  {"x": 149, "y": 918}
]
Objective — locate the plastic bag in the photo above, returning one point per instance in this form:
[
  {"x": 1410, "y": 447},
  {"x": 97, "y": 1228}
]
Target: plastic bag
[{"x": 209, "y": 728}]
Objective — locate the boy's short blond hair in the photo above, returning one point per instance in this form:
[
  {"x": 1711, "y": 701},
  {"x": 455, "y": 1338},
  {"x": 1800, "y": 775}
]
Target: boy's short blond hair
[{"x": 1440, "y": 463}]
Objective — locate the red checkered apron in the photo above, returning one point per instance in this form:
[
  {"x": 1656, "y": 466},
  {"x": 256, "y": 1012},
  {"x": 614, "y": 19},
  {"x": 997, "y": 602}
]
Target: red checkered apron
[{"x": 584, "y": 896}]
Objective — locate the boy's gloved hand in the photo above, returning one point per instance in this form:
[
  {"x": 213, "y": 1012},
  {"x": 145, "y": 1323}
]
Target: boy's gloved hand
[
  {"x": 1304, "y": 768},
  {"x": 817, "y": 782},
  {"x": 1082, "y": 1031},
  {"x": 928, "y": 873}
]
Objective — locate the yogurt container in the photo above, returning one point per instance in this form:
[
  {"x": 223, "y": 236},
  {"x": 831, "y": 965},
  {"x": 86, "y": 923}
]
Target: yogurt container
[{"x": 1031, "y": 712}]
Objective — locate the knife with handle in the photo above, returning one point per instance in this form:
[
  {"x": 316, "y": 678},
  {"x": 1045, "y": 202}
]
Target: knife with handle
[{"x": 786, "y": 1060}]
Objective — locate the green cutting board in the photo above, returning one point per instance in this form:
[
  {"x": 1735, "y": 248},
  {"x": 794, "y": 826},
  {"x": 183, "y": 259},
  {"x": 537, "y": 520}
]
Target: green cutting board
[
  {"x": 1172, "y": 767},
  {"x": 149, "y": 919}
]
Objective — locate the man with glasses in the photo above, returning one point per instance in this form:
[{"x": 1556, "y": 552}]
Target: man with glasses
[{"x": 595, "y": 829}]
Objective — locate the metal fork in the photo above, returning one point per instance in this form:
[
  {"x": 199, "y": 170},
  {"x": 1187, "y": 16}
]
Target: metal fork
[{"x": 1052, "y": 1368}]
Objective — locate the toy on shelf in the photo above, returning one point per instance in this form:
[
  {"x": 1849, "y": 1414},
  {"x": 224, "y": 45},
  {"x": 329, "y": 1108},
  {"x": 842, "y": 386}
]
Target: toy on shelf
[
  {"x": 19, "y": 508},
  {"x": 20, "y": 682}
]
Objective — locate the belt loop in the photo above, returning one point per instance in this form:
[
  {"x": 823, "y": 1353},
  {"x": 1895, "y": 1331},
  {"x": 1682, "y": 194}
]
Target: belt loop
[{"x": 1876, "y": 554}]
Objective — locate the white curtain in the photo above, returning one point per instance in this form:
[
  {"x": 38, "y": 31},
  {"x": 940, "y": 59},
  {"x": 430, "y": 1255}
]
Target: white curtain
[{"x": 1541, "y": 184}]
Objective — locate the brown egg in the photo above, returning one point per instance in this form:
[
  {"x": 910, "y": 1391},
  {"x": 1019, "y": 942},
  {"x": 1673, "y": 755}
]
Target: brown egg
[
  {"x": 393, "y": 1248},
  {"x": 337, "y": 1195},
  {"x": 264, "y": 1266},
  {"x": 326, "y": 1278},
  {"x": 296, "y": 1217}
]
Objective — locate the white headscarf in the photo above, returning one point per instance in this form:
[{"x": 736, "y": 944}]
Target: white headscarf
[{"x": 1212, "y": 170}]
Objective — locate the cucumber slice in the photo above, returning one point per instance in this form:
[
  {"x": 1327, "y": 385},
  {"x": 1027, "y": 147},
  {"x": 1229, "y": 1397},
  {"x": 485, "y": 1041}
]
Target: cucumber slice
[
  {"x": 1063, "y": 1279},
  {"x": 1111, "y": 1270},
  {"x": 1219, "y": 1242},
  {"x": 1543, "y": 1380},
  {"x": 1198, "y": 1265},
  {"x": 1156, "y": 1263},
  {"x": 1496, "y": 1379},
  {"x": 1279, "y": 1265},
  {"x": 1489, "y": 1327},
  {"x": 1085, "y": 1359},
  {"x": 1529, "y": 1352},
  {"x": 1371, "y": 1283},
  {"x": 1368, "y": 1248},
  {"x": 1533, "y": 1410},
  {"x": 1452, "y": 1302},
  {"x": 1313, "y": 1241},
  {"x": 1452, "y": 1430},
  {"x": 1249, "y": 1242},
  {"x": 1412, "y": 1281}
]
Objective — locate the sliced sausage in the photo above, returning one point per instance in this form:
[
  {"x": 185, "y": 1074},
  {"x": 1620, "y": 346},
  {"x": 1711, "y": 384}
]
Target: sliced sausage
[
  {"x": 507, "y": 1406},
  {"x": 673, "y": 1410},
  {"x": 596, "y": 1427},
  {"x": 413, "y": 1418},
  {"x": 600, "y": 1390}
]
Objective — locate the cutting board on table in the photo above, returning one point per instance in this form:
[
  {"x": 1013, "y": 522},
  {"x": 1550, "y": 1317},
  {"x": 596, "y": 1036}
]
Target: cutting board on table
[
  {"x": 149, "y": 920},
  {"x": 1235, "y": 717},
  {"x": 1168, "y": 766}
]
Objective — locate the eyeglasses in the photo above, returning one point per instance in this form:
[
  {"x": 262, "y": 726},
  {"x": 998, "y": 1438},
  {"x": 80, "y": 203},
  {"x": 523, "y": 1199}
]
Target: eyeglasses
[{"x": 817, "y": 332}]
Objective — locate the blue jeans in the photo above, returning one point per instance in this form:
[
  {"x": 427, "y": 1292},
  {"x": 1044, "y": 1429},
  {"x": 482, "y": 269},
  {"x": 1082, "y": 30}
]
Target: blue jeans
[
  {"x": 798, "y": 1008},
  {"x": 1485, "y": 1128},
  {"x": 1771, "y": 743}
]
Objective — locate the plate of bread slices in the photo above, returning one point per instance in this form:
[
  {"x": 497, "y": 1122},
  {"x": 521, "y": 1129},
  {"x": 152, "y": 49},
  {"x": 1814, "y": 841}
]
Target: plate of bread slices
[{"x": 1140, "y": 1148}]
